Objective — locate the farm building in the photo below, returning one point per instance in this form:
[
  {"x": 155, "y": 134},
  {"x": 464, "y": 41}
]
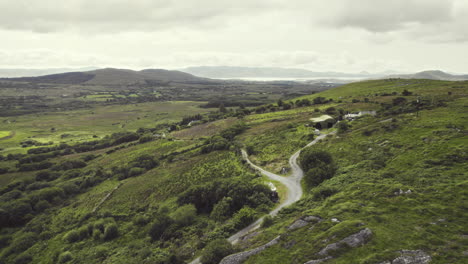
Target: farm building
[{"x": 324, "y": 121}]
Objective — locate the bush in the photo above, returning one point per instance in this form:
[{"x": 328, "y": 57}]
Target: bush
[
  {"x": 23, "y": 258},
  {"x": 267, "y": 221},
  {"x": 343, "y": 126},
  {"x": 136, "y": 171},
  {"x": 65, "y": 257},
  {"x": 318, "y": 166},
  {"x": 244, "y": 217},
  {"x": 41, "y": 206},
  {"x": 72, "y": 236},
  {"x": 140, "y": 220},
  {"x": 185, "y": 215},
  {"x": 159, "y": 226},
  {"x": 323, "y": 193},
  {"x": 222, "y": 210},
  {"x": 111, "y": 232},
  {"x": 46, "y": 176},
  {"x": 215, "y": 251}
]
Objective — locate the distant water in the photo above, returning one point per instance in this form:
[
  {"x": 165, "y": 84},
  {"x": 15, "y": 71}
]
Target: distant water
[{"x": 270, "y": 79}]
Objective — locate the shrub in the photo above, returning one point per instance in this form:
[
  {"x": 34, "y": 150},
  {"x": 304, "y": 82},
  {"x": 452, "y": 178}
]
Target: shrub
[
  {"x": 111, "y": 232},
  {"x": 136, "y": 171},
  {"x": 185, "y": 215},
  {"x": 140, "y": 220},
  {"x": 72, "y": 236},
  {"x": 343, "y": 126},
  {"x": 46, "y": 176},
  {"x": 215, "y": 251},
  {"x": 323, "y": 193},
  {"x": 22, "y": 243},
  {"x": 244, "y": 217},
  {"x": 23, "y": 258},
  {"x": 65, "y": 257},
  {"x": 267, "y": 221},
  {"x": 222, "y": 210},
  {"x": 159, "y": 225},
  {"x": 41, "y": 206},
  {"x": 318, "y": 166}
]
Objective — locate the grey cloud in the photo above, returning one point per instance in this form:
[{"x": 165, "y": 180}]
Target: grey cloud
[
  {"x": 385, "y": 16},
  {"x": 120, "y": 15}
]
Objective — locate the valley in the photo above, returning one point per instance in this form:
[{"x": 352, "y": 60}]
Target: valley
[{"x": 174, "y": 174}]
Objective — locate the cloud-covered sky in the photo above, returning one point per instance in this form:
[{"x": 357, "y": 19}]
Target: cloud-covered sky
[{"x": 332, "y": 35}]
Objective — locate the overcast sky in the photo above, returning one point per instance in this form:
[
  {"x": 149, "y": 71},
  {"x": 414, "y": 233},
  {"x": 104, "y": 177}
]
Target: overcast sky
[{"x": 331, "y": 35}]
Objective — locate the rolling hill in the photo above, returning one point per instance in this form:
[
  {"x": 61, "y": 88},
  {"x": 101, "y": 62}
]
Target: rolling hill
[
  {"x": 395, "y": 189},
  {"x": 111, "y": 76}
]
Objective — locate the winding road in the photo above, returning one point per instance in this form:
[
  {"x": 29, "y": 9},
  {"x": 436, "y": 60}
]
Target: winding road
[{"x": 293, "y": 187}]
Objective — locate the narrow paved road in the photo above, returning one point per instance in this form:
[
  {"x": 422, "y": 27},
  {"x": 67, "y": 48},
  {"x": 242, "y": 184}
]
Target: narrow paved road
[{"x": 293, "y": 187}]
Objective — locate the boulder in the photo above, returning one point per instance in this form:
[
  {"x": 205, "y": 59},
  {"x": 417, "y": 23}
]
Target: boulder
[
  {"x": 242, "y": 256},
  {"x": 317, "y": 261},
  {"x": 354, "y": 240}
]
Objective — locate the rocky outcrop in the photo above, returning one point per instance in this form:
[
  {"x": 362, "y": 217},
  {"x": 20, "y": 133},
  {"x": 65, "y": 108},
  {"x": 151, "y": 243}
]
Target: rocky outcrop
[
  {"x": 354, "y": 240},
  {"x": 305, "y": 220},
  {"x": 242, "y": 256},
  {"x": 317, "y": 261},
  {"x": 411, "y": 257}
]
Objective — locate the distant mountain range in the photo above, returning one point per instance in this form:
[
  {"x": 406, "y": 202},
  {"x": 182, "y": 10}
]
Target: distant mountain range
[
  {"x": 259, "y": 72},
  {"x": 111, "y": 76},
  {"x": 433, "y": 75},
  {"x": 203, "y": 74}
]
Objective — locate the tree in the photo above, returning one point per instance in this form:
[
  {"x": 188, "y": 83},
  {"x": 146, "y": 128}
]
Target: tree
[
  {"x": 222, "y": 108},
  {"x": 343, "y": 126},
  {"x": 159, "y": 225},
  {"x": 222, "y": 210},
  {"x": 216, "y": 250},
  {"x": 280, "y": 103},
  {"x": 318, "y": 166}
]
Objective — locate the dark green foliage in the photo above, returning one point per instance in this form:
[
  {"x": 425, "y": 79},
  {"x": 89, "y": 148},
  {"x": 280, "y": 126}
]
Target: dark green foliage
[
  {"x": 65, "y": 257},
  {"x": 244, "y": 217},
  {"x": 69, "y": 165},
  {"x": 111, "y": 231},
  {"x": 320, "y": 100},
  {"x": 37, "y": 186},
  {"x": 318, "y": 165},
  {"x": 185, "y": 215},
  {"x": 406, "y": 93},
  {"x": 267, "y": 221},
  {"x": 331, "y": 111},
  {"x": 222, "y": 210},
  {"x": 35, "y": 166},
  {"x": 343, "y": 126},
  {"x": 204, "y": 197},
  {"x": 15, "y": 213},
  {"x": 46, "y": 176},
  {"x": 321, "y": 193},
  {"x": 215, "y": 251},
  {"x": 159, "y": 227},
  {"x": 41, "y": 206},
  {"x": 69, "y": 188},
  {"x": 215, "y": 143},
  {"x": 21, "y": 243},
  {"x": 23, "y": 258}
]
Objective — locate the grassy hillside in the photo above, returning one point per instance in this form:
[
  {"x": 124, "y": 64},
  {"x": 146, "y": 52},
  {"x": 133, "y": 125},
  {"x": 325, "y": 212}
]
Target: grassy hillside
[{"x": 134, "y": 197}]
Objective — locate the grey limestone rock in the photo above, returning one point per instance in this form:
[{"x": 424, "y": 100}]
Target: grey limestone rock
[
  {"x": 355, "y": 240},
  {"x": 242, "y": 256}
]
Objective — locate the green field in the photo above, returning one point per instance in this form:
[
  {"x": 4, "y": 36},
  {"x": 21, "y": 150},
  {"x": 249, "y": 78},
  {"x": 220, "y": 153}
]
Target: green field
[{"x": 81, "y": 125}]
